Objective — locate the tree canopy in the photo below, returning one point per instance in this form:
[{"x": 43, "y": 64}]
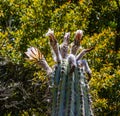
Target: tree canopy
[{"x": 23, "y": 23}]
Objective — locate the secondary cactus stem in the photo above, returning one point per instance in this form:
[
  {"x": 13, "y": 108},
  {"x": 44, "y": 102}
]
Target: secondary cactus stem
[
  {"x": 54, "y": 45},
  {"x": 77, "y": 40}
]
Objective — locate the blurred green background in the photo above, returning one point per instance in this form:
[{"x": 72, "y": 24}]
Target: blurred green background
[{"x": 24, "y": 87}]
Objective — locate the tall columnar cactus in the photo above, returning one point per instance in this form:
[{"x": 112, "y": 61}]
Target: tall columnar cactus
[{"x": 69, "y": 85}]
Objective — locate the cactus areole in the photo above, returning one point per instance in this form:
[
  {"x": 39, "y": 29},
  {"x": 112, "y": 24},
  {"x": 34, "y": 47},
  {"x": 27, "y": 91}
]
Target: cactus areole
[{"x": 70, "y": 91}]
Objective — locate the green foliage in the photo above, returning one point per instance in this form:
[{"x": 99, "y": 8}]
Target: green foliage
[
  {"x": 67, "y": 18},
  {"x": 24, "y": 23},
  {"x": 21, "y": 91}
]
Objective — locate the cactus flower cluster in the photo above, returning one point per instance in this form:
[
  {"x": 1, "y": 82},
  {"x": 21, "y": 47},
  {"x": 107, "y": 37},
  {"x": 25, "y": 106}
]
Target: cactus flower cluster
[{"x": 70, "y": 87}]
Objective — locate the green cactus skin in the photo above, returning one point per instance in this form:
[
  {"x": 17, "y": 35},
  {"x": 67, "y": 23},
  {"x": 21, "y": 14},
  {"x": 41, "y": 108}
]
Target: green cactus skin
[
  {"x": 56, "y": 80},
  {"x": 70, "y": 92}
]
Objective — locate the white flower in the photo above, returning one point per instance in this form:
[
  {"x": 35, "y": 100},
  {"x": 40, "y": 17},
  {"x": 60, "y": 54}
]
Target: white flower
[
  {"x": 34, "y": 54},
  {"x": 79, "y": 33},
  {"x": 50, "y": 33},
  {"x": 67, "y": 36},
  {"x": 72, "y": 60}
]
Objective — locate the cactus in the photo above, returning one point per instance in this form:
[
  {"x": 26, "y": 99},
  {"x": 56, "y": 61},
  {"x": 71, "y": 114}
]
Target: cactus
[
  {"x": 70, "y": 90},
  {"x": 71, "y": 94}
]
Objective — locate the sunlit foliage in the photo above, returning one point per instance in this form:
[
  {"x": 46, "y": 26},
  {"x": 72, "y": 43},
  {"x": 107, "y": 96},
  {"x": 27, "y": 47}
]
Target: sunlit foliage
[{"x": 23, "y": 23}]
